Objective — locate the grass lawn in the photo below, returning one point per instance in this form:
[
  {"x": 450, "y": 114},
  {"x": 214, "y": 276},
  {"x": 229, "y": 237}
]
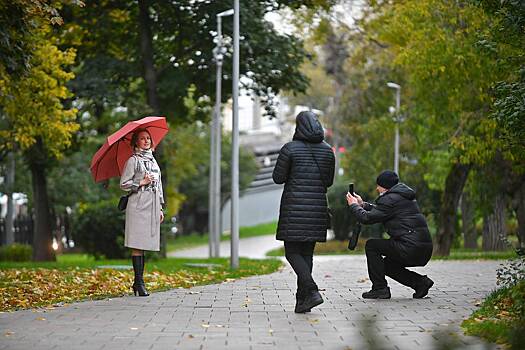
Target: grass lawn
[
  {"x": 501, "y": 317},
  {"x": 75, "y": 277},
  {"x": 193, "y": 240},
  {"x": 335, "y": 247}
]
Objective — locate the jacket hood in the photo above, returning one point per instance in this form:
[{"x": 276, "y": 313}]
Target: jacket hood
[
  {"x": 308, "y": 128},
  {"x": 403, "y": 190}
]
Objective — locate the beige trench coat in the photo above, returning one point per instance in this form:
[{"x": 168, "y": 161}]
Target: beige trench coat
[{"x": 144, "y": 205}]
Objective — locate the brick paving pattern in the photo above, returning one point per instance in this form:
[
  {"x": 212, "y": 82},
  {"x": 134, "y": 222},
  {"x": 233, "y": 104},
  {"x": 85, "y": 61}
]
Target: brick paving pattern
[{"x": 257, "y": 313}]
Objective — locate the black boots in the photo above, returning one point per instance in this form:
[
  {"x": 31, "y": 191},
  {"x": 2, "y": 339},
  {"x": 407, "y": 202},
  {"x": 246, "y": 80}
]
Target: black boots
[
  {"x": 383, "y": 293},
  {"x": 300, "y": 297},
  {"x": 422, "y": 288},
  {"x": 138, "y": 285},
  {"x": 313, "y": 299}
]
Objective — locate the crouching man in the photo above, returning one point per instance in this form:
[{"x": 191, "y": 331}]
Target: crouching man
[{"x": 409, "y": 244}]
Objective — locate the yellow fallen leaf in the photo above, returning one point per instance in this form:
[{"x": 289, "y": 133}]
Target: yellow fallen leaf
[
  {"x": 41, "y": 319},
  {"x": 205, "y": 325}
]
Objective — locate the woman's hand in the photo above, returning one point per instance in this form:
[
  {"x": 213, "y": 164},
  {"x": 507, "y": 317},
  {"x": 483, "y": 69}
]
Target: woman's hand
[
  {"x": 161, "y": 217},
  {"x": 146, "y": 180},
  {"x": 351, "y": 199}
]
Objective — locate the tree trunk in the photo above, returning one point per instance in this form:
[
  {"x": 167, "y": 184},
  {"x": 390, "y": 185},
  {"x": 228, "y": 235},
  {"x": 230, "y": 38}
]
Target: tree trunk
[
  {"x": 42, "y": 236},
  {"x": 470, "y": 235},
  {"x": 148, "y": 62},
  {"x": 520, "y": 213},
  {"x": 454, "y": 184},
  {"x": 494, "y": 226}
]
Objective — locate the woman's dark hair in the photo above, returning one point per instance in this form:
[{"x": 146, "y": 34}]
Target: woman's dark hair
[{"x": 135, "y": 138}]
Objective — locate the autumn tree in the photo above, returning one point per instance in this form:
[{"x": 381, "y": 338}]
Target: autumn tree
[{"x": 37, "y": 123}]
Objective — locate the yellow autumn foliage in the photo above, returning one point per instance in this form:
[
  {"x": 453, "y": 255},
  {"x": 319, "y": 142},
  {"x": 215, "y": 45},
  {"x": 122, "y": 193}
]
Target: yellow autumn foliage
[{"x": 33, "y": 106}]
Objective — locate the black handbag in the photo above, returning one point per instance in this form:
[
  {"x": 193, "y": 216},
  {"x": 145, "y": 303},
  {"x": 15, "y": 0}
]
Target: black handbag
[
  {"x": 123, "y": 202},
  {"x": 328, "y": 210}
]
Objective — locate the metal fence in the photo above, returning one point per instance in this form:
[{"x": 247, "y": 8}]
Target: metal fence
[{"x": 23, "y": 230}]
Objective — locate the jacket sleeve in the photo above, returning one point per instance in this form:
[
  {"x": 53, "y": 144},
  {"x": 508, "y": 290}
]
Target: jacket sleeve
[
  {"x": 282, "y": 166},
  {"x": 127, "y": 181},
  {"x": 368, "y": 206},
  {"x": 376, "y": 214}
]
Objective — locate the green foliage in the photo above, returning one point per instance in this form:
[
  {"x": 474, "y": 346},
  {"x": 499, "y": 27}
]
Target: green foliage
[
  {"x": 99, "y": 229},
  {"x": 183, "y": 43},
  {"x": 342, "y": 221},
  {"x": 192, "y": 164},
  {"x": 19, "y": 20},
  {"x": 16, "y": 252},
  {"x": 501, "y": 316}
]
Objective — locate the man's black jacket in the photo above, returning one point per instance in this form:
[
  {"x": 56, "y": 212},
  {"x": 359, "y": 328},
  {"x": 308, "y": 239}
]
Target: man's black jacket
[{"x": 398, "y": 211}]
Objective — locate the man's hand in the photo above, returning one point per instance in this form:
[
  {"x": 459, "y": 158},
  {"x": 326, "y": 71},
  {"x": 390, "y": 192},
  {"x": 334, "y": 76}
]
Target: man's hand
[
  {"x": 161, "y": 216},
  {"x": 359, "y": 199},
  {"x": 351, "y": 199}
]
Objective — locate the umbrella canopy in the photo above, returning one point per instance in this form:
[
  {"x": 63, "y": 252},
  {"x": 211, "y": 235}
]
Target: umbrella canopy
[{"x": 110, "y": 159}]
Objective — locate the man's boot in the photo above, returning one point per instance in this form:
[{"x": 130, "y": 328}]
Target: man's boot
[
  {"x": 422, "y": 287},
  {"x": 383, "y": 293},
  {"x": 313, "y": 299}
]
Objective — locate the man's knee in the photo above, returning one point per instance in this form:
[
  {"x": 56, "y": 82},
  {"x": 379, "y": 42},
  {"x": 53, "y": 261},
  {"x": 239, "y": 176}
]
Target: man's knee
[{"x": 372, "y": 244}]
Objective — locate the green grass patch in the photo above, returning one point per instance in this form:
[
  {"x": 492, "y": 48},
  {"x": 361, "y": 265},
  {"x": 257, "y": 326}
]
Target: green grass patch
[
  {"x": 474, "y": 254},
  {"x": 193, "y": 240},
  {"x": 333, "y": 247},
  {"x": 336, "y": 247},
  {"x": 501, "y": 317},
  {"x": 76, "y": 277}
]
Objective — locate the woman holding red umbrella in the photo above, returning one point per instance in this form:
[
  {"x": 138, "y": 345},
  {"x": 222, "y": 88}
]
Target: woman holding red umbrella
[{"x": 141, "y": 177}]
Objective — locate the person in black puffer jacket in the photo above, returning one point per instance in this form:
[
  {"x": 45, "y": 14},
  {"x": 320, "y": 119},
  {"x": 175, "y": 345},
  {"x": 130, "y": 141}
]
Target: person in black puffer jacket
[
  {"x": 306, "y": 167},
  {"x": 410, "y": 243}
]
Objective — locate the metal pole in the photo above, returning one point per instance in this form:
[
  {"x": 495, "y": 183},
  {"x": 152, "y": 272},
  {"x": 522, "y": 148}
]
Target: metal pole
[
  {"x": 396, "y": 145},
  {"x": 235, "y": 143},
  {"x": 217, "y": 147},
  {"x": 211, "y": 208}
]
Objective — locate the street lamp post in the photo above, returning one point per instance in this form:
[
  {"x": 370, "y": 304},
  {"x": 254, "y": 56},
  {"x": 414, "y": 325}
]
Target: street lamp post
[
  {"x": 234, "y": 257},
  {"x": 214, "y": 219},
  {"x": 397, "y": 120}
]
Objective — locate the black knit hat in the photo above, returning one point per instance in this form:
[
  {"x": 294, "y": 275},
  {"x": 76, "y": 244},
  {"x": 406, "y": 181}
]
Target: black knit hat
[{"x": 387, "y": 179}]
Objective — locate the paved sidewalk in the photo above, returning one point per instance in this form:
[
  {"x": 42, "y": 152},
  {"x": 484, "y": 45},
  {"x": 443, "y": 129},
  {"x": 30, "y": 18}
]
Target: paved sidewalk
[
  {"x": 257, "y": 313},
  {"x": 253, "y": 247}
]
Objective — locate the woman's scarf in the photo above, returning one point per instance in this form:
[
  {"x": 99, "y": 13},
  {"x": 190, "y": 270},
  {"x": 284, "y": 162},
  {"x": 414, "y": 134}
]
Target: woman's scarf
[{"x": 144, "y": 154}]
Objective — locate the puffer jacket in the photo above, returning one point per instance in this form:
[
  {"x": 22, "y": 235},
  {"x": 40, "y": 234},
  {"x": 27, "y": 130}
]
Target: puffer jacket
[
  {"x": 398, "y": 211},
  {"x": 303, "y": 212}
]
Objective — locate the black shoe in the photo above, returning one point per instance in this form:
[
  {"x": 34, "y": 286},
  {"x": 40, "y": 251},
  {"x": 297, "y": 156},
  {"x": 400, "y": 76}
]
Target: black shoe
[
  {"x": 310, "y": 302},
  {"x": 422, "y": 288},
  {"x": 298, "y": 307},
  {"x": 383, "y": 293}
]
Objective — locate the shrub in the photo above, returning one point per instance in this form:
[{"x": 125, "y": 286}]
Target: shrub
[
  {"x": 99, "y": 229},
  {"x": 16, "y": 252}
]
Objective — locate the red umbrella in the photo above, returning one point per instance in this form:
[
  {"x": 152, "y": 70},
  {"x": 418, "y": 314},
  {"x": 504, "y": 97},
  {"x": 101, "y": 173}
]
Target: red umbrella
[{"x": 110, "y": 159}]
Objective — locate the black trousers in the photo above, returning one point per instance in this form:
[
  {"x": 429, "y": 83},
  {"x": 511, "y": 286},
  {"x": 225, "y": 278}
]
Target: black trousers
[
  {"x": 383, "y": 258},
  {"x": 300, "y": 257}
]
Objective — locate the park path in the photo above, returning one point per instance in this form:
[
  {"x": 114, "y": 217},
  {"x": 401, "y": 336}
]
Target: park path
[
  {"x": 257, "y": 313},
  {"x": 252, "y": 247}
]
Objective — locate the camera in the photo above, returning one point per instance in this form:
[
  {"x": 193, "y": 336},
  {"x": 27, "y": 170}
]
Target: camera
[{"x": 351, "y": 188}]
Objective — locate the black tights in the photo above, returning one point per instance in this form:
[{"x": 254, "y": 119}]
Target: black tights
[{"x": 300, "y": 257}]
